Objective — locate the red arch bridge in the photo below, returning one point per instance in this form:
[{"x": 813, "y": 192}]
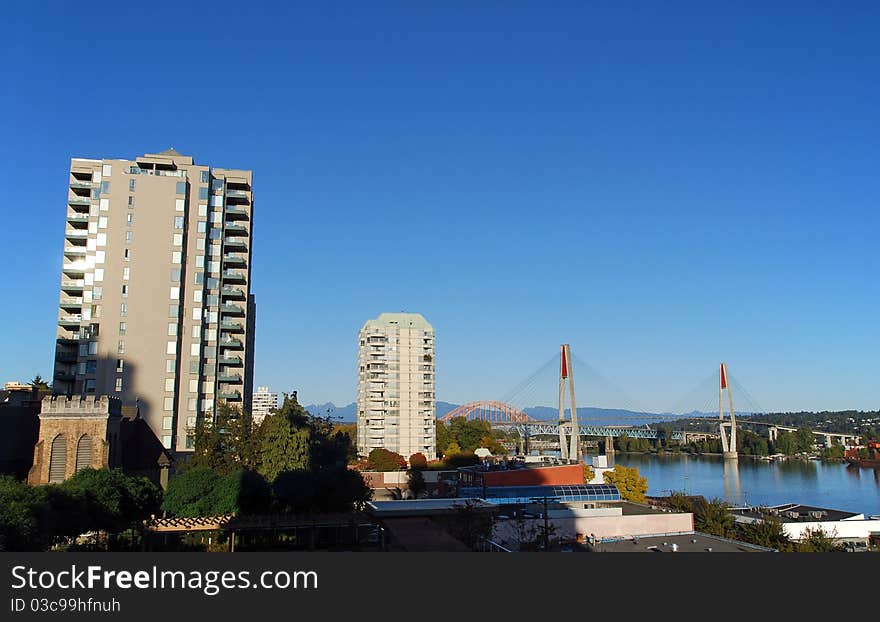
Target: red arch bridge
[{"x": 506, "y": 417}]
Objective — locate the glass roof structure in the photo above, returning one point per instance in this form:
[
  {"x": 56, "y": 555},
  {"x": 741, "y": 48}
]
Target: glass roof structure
[{"x": 501, "y": 495}]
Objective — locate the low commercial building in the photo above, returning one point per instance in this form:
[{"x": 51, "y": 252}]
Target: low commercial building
[
  {"x": 694, "y": 542},
  {"x": 797, "y": 520}
]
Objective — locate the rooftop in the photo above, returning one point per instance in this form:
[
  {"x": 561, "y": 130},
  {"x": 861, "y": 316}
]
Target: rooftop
[
  {"x": 507, "y": 495},
  {"x": 794, "y": 513},
  {"x": 421, "y": 507},
  {"x": 693, "y": 542},
  {"x": 411, "y": 320}
]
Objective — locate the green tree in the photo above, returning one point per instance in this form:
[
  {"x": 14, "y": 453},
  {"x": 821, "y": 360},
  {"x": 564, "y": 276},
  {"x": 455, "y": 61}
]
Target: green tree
[
  {"x": 679, "y": 502},
  {"x": 818, "y": 541},
  {"x": 443, "y": 437},
  {"x": 470, "y": 523},
  {"x": 452, "y": 449},
  {"x": 227, "y": 442},
  {"x": 40, "y": 387},
  {"x": 284, "y": 446},
  {"x": 713, "y": 517},
  {"x": 767, "y": 532},
  {"x": 416, "y": 482},
  {"x": 632, "y": 486},
  {"x": 113, "y": 500},
  {"x": 786, "y": 443},
  {"x": 191, "y": 493},
  {"x": 19, "y": 521},
  {"x": 804, "y": 440}
]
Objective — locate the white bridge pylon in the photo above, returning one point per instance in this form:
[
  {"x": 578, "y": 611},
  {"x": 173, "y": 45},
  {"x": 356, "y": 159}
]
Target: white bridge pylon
[
  {"x": 728, "y": 444},
  {"x": 570, "y": 449}
]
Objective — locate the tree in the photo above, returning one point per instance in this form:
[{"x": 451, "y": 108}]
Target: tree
[
  {"x": 416, "y": 481},
  {"x": 40, "y": 386},
  {"x": 190, "y": 493},
  {"x": 630, "y": 484},
  {"x": 767, "y": 532},
  {"x": 589, "y": 473},
  {"x": 226, "y": 443},
  {"x": 679, "y": 502},
  {"x": 818, "y": 541},
  {"x": 418, "y": 461},
  {"x": 470, "y": 523},
  {"x": 284, "y": 447},
  {"x": 804, "y": 439},
  {"x": 19, "y": 523},
  {"x": 713, "y": 517},
  {"x": 452, "y": 449},
  {"x": 382, "y": 459},
  {"x": 443, "y": 436},
  {"x": 113, "y": 500}
]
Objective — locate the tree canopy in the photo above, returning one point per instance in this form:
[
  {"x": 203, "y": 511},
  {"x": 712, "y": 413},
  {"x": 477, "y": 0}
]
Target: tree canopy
[{"x": 632, "y": 486}]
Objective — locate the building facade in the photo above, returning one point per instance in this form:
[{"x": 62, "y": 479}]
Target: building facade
[
  {"x": 155, "y": 288},
  {"x": 396, "y": 385},
  {"x": 263, "y": 402}
]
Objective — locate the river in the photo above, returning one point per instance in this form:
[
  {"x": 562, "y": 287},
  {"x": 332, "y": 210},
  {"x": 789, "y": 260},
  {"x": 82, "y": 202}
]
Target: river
[{"x": 753, "y": 482}]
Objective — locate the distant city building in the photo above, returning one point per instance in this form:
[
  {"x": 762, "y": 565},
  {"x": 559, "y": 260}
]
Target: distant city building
[
  {"x": 155, "y": 306},
  {"x": 16, "y": 386},
  {"x": 263, "y": 403},
  {"x": 396, "y": 408}
]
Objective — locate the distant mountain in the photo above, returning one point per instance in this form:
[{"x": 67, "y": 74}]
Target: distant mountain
[{"x": 586, "y": 414}]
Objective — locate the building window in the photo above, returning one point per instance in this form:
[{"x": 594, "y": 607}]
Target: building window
[
  {"x": 118, "y": 385},
  {"x": 124, "y": 291},
  {"x": 191, "y": 404},
  {"x": 171, "y": 347},
  {"x": 181, "y": 187},
  {"x": 177, "y": 239},
  {"x": 205, "y": 177},
  {"x": 126, "y": 255},
  {"x": 105, "y": 187},
  {"x": 126, "y": 271},
  {"x": 178, "y": 222},
  {"x": 193, "y": 367},
  {"x": 90, "y": 385},
  {"x": 180, "y": 205},
  {"x": 169, "y": 366},
  {"x": 166, "y": 441},
  {"x": 203, "y": 210},
  {"x": 199, "y": 278},
  {"x": 123, "y": 309},
  {"x": 120, "y": 366},
  {"x": 197, "y": 296},
  {"x": 169, "y": 384},
  {"x": 194, "y": 349},
  {"x": 96, "y": 311},
  {"x": 130, "y": 201},
  {"x": 121, "y": 328},
  {"x": 106, "y": 170},
  {"x": 100, "y": 256},
  {"x": 102, "y": 222},
  {"x": 172, "y": 329},
  {"x": 175, "y": 257},
  {"x": 58, "y": 460},
  {"x": 200, "y": 244},
  {"x": 200, "y": 261},
  {"x": 203, "y": 226},
  {"x": 120, "y": 347},
  {"x": 93, "y": 348},
  {"x": 194, "y": 385},
  {"x": 97, "y": 293},
  {"x": 175, "y": 275},
  {"x": 99, "y": 274},
  {"x": 127, "y": 236},
  {"x": 169, "y": 403},
  {"x": 203, "y": 194},
  {"x": 131, "y": 185},
  {"x": 129, "y": 221},
  {"x": 174, "y": 293},
  {"x": 105, "y": 205}
]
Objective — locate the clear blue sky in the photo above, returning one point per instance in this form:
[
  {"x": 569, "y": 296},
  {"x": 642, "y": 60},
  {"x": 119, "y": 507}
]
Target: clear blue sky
[{"x": 662, "y": 185}]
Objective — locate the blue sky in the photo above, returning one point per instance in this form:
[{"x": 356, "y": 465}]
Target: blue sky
[{"x": 662, "y": 185}]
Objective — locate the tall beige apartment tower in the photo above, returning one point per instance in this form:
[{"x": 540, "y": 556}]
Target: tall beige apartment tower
[
  {"x": 155, "y": 304},
  {"x": 396, "y": 385}
]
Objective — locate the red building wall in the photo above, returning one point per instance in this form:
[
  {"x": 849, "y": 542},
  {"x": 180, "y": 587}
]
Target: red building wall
[{"x": 567, "y": 475}]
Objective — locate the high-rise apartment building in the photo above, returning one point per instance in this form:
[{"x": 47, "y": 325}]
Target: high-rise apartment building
[
  {"x": 396, "y": 385},
  {"x": 263, "y": 403},
  {"x": 155, "y": 304}
]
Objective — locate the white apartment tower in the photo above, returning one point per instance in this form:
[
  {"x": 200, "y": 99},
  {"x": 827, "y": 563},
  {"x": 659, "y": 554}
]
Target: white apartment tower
[
  {"x": 396, "y": 385},
  {"x": 263, "y": 403}
]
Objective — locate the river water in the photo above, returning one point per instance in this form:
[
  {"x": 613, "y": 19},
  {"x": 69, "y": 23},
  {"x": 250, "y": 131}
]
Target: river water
[{"x": 753, "y": 482}]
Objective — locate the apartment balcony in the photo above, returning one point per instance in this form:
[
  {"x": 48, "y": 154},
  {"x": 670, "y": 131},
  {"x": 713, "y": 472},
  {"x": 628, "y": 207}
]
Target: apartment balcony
[
  {"x": 74, "y": 268},
  {"x": 65, "y": 357},
  {"x": 234, "y": 212},
  {"x": 237, "y": 196},
  {"x": 235, "y": 244},
  {"x": 70, "y": 320},
  {"x": 230, "y": 361},
  {"x": 235, "y": 231},
  {"x": 233, "y": 292},
  {"x": 64, "y": 375},
  {"x": 78, "y": 221},
  {"x": 234, "y": 261},
  {"x": 76, "y": 234},
  {"x": 231, "y": 396},
  {"x": 227, "y": 308},
  {"x": 75, "y": 251},
  {"x": 77, "y": 183},
  {"x": 72, "y": 285},
  {"x": 77, "y": 200},
  {"x": 231, "y": 327},
  {"x": 234, "y": 344},
  {"x": 66, "y": 341},
  {"x": 229, "y": 378},
  {"x": 233, "y": 276},
  {"x": 81, "y": 208},
  {"x": 69, "y": 303}
]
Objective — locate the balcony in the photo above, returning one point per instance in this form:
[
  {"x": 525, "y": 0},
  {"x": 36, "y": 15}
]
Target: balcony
[
  {"x": 230, "y": 378},
  {"x": 75, "y": 251},
  {"x": 233, "y": 243},
  {"x": 64, "y": 375},
  {"x": 230, "y": 361},
  {"x": 236, "y": 231},
  {"x": 71, "y": 302},
  {"x": 72, "y": 285},
  {"x": 72, "y": 234},
  {"x": 237, "y": 196},
  {"x": 65, "y": 357},
  {"x": 234, "y": 276},
  {"x": 79, "y": 221},
  {"x": 70, "y": 320},
  {"x": 227, "y": 308},
  {"x": 232, "y": 292},
  {"x": 232, "y": 396},
  {"x": 231, "y": 327},
  {"x": 234, "y": 344},
  {"x": 77, "y": 200},
  {"x": 234, "y": 260},
  {"x": 236, "y": 213},
  {"x": 73, "y": 268},
  {"x": 88, "y": 185}
]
